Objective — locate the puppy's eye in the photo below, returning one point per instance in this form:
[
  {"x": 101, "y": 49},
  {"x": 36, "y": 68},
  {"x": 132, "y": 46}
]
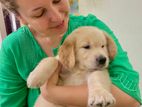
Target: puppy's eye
[
  {"x": 103, "y": 46},
  {"x": 86, "y": 47}
]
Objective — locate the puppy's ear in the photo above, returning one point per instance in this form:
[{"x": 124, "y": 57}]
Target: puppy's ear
[
  {"x": 111, "y": 46},
  {"x": 67, "y": 53}
]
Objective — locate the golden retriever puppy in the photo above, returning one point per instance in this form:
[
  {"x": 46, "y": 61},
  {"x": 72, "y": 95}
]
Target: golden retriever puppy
[{"x": 85, "y": 56}]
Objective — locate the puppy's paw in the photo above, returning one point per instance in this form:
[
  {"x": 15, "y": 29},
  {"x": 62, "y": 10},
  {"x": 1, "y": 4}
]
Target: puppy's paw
[
  {"x": 42, "y": 72},
  {"x": 101, "y": 98},
  {"x": 34, "y": 80}
]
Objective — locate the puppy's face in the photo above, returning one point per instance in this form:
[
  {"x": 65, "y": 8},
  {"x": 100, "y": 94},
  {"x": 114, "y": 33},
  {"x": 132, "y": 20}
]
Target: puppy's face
[
  {"x": 91, "y": 50},
  {"x": 88, "y": 48}
]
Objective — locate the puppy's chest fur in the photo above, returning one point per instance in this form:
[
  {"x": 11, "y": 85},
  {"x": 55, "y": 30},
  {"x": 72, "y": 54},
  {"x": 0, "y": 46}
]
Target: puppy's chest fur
[{"x": 73, "y": 77}]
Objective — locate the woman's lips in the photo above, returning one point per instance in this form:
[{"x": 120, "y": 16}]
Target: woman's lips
[{"x": 58, "y": 26}]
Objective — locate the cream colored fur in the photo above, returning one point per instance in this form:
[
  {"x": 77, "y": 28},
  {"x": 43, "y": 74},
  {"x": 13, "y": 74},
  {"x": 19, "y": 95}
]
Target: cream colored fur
[{"x": 82, "y": 56}]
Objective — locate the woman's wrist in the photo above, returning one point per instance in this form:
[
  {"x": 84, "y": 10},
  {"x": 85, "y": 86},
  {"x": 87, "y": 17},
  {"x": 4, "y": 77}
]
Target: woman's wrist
[{"x": 47, "y": 92}]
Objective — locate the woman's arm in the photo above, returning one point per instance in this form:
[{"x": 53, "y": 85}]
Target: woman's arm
[
  {"x": 123, "y": 99},
  {"x": 66, "y": 95},
  {"x": 78, "y": 95}
]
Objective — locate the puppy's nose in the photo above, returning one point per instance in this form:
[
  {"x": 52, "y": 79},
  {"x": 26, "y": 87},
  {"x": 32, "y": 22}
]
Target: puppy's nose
[{"x": 101, "y": 60}]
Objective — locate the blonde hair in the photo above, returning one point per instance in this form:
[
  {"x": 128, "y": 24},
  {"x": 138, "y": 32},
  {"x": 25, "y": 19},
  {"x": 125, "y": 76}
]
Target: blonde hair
[{"x": 10, "y": 5}]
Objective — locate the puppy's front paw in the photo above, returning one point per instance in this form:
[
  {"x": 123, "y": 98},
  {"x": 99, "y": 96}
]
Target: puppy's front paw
[
  {"x": 36, "y": 80},
  {"x": 42, "y": 72},
  {"x": 101, "y": 98}
]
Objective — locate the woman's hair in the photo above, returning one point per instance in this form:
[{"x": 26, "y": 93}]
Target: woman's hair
[{"x": 10, "y": 5}]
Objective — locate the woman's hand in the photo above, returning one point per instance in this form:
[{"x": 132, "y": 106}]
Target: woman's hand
[
  {"x": 51, "y": 83},
  {"x": 53, "y": 80}
]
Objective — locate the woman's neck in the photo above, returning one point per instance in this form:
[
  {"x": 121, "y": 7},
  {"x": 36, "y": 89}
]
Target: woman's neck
[
  {"x": 52, "y": 40},
  {"x": 47, "y": 43}
]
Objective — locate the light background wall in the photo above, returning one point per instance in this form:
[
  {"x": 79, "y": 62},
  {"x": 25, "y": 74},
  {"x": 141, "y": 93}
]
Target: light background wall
[{"x": 124, "y": 17}]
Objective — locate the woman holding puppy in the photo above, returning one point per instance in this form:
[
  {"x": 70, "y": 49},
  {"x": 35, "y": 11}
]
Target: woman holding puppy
[{"x": 47, "y": 24}]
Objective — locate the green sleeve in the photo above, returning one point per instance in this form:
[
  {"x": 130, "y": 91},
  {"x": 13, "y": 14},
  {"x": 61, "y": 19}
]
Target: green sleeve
[
  {"x": 13, "y": 91},
  {"x": 121, "y": 71}
]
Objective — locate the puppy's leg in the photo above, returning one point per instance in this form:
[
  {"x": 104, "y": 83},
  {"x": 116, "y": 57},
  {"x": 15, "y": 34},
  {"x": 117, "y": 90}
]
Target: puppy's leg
[
  {"x": 42, "y": 72},
  {"x": 99, "y": 90}
]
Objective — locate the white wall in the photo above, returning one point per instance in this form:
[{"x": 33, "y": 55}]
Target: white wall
[{"x": 124, "y": 17}]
